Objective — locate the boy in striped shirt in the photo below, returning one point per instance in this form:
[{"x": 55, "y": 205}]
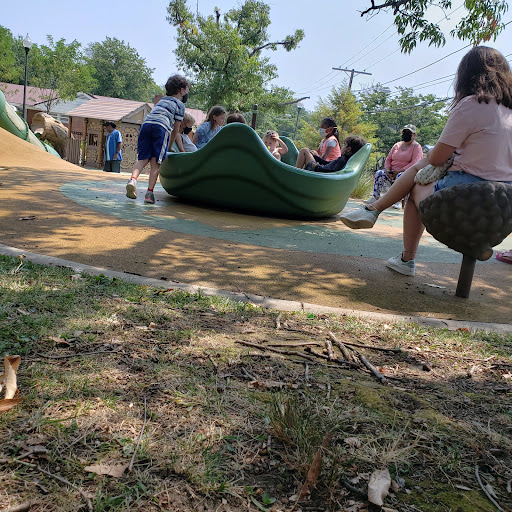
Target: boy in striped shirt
[{"x": 157, "y": 133}]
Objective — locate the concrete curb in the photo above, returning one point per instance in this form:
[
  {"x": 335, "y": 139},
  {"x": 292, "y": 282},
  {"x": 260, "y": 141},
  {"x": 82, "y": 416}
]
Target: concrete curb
[{"x": 258, "y": 300}]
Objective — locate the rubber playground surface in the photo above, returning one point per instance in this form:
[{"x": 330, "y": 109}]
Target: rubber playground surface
[{"x": 84, "y": 216}]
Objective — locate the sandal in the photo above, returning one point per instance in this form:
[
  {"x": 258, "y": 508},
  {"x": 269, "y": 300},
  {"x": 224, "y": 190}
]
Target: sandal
[{"x": 504, "y": 256}]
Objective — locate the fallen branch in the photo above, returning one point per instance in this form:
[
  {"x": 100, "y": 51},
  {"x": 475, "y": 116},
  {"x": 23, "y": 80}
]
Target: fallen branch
[
  {"x": 486, "y": 492},
  {"x": 276, "y": 350},
  {"x": 370, "y": 367},
  {"x": 309, "y": 350},
  {"x": 57, "y": 477},
  {"x": 278, "y": 321},
  {"x": 22, "y": 507},
  {"x": 353, "y": 489},
  {"x": 371, "y": 347},
  {"x": 341, "y": 346},
  {"x": 78, "y": 354},
  {"x": 298, "y": 344},
  {"x": 130, "y": 467},
  {"x": 330, "y": 351}
]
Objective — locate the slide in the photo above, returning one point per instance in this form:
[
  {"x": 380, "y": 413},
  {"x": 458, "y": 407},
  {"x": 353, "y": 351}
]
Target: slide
[
  {"x": 13, "y": 123},
  {"x": 235, "y": 170}
]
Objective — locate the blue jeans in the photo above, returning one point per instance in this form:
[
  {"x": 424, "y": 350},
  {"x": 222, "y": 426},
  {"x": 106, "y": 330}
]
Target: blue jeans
[{"x": 458, "y": 178}]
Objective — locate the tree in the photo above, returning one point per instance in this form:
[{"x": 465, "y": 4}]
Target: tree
[
  {"x": 225, "y": 54},
  {"x": 120, "y": 72},
  {"x": 61, "y": 69},
  {"x": 481, "y": 23},
  {"x": 8, "y": 71},
  {"x": 392, "y": 113}
]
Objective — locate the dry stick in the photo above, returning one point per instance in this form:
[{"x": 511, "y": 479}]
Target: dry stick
[
  {"x": 371, "y": 347},
  {"x": 250, "y": 376},
  {"x": 130, "y": 467},
  {"x": 370, "y": 367},
  {"x": 330, "y": 351},
  {"x": 298, "y": 344},
  {"x": 78, "y": 354},
  {"x": 309, "y": 350},
  {"x": 278, "y": 321},
  {"x": 22, "y": 507},
  {"x": 276, "y": 350},
  {"x": 341, "y": 346},
  {"x": 57, "y": 477},
  {"x": 486, "y": 492}
]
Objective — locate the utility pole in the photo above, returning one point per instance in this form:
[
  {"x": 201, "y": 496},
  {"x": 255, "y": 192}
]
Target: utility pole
[{"x": 352, "y": 72}]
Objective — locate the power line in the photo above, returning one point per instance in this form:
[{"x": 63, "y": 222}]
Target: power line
[{"x": 420, "y": 105}]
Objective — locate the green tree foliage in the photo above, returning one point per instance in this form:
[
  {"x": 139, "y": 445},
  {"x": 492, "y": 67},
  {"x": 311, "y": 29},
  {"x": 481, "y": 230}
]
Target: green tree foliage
[
  {"x": 482, "y": 21},
  {"x": 61, "y": 69},
  {"x": 8, "y": 71},
  {"x": 120, "y": 72},
  {"x": 391, "y": 113},
  {"x": 225, "y": 54}
]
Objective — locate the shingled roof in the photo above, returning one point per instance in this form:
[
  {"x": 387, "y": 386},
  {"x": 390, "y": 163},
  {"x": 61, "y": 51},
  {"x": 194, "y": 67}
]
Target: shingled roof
[{"x": 112, "y": 109}]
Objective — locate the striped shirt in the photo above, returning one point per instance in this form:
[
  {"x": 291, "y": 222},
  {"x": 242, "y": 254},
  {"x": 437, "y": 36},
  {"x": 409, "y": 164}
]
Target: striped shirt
[{"x": 165, "y": 112}]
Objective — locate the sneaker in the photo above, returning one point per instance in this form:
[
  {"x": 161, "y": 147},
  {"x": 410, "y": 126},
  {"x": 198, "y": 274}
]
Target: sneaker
[
  {"x": 360, "y": 218},
  {"x": 149, "y": 197},
  {"x": 371, "y": 200},
  {"x": 131, "y": 189},
  {"x": 397, "y": 206},
  {"x": 407, "y": 268}
]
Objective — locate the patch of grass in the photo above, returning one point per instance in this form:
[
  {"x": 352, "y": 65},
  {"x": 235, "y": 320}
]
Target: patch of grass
[{"x": 225, "y": 422}]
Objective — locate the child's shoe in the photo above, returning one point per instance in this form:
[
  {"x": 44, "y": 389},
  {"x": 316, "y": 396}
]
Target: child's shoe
[
  {"x": 362, "y": 218},
  {"x": 131, "y": 189},
  {"x": 149, "y": 197},
  {"x": 407, "y": 268}
]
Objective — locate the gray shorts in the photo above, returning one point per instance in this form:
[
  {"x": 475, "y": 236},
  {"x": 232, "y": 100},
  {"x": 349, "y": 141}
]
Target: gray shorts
[{"x": 112, "y": 166}]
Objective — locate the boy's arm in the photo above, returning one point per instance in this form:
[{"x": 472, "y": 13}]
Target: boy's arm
[
  {"x": 179, "y": 143},
  {"x": 174, "y": 132}
]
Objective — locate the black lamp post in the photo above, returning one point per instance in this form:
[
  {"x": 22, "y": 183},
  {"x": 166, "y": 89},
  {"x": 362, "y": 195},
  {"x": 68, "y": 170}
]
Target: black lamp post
[{"x": 27, "y": 43}]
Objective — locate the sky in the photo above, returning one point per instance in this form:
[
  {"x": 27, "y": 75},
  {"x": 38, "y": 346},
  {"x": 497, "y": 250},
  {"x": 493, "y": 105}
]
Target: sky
[{"x": 336, "y": 36}]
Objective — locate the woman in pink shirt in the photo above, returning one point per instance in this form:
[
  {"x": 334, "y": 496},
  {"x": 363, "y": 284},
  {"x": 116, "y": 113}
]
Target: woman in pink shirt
[
  {"x": 402, "y": 155},
  {"x": 479, "y": 131}
]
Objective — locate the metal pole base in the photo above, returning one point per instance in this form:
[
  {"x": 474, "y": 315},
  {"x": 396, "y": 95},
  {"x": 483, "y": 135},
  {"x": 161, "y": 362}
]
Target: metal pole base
[{"x": 467, "y": 270}]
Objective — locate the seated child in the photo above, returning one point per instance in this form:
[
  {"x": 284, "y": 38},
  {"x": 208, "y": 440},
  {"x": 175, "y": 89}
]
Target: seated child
[
  {"x": 235, "y": 117},
  {"x": 271, "y": 140},
  {"x": 185, "y": 145},
  {"x": 351, "y": 145}
]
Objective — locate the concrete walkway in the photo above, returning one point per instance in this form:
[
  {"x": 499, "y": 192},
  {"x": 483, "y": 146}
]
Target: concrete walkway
[{"x": 83, "y": 216}]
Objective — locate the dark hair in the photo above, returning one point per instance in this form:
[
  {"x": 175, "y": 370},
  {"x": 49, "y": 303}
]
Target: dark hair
[
  {"x": 217, "y": 110},
  {"x": 110, "y": 123},
  {"x": 355, "y": 143},
  {"x": 485, "y": 73},
  {"x": 174, "y": 84},
  {"x": 236, "y": 117},
  {"x": 329, "y": 121}
]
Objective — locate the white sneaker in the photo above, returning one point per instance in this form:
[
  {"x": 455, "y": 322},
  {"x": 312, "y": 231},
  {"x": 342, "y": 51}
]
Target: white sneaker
[
  {"x": 397, "y": 206},
  {"x": 131, "y": 189},
  {"x": 360, "y": 218},
  {"x": 407, "y": 268},
  {"x": 371, "y": 200}
]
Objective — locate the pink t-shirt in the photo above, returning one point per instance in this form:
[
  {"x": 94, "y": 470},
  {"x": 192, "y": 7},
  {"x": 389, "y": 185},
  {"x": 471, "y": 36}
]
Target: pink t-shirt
[
  {"x": 399, "y": 160},
  {"x": 482, "y": 134}
]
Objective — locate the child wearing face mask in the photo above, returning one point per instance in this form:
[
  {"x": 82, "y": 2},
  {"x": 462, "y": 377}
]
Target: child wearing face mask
[
  {"x": 329, "y": 148},
  {"x": 157, "y": 133},
  {"x": 185, "y": 145},
  {"x": 351, "y": 145}
]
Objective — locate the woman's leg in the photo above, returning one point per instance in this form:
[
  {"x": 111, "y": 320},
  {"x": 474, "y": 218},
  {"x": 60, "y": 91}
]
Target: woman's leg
[
  {"x": 380, "y": 181},
  {"x": 399, "y": 189},
  {"x": 413, "y": 227},
  {"x": 301, "y": 159}
]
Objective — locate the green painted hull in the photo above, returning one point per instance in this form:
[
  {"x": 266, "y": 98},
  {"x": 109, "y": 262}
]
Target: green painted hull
[
  {"x": 13, "y": 123},
  {"x": 236, "y": 171}
]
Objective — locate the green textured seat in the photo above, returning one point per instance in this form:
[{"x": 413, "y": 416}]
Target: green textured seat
[{"x": 236, "y": 171}]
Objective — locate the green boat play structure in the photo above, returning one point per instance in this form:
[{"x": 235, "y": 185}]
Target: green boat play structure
[
  {"x": 13, "y": 123},
  {"x": 235, "y": 170}
]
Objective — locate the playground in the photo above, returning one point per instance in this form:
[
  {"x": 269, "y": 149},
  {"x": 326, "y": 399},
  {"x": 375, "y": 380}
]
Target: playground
[{"x": 57, "y": 209}]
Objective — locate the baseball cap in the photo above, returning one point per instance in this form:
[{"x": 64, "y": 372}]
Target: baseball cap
[{"x": 409, "y": 127}]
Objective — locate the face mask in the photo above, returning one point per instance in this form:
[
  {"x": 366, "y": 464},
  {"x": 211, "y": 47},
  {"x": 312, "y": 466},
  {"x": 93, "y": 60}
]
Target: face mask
[
  {"x": 185, "y": 98},
  {"x": 187, "y": 130},
  {"x": 406, "y": 136},
  {"x": 322, "y": 132}
]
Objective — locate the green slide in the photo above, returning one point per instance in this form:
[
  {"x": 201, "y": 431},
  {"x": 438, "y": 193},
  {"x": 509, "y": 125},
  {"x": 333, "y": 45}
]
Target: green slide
[
  {"x": 14, "y": 124},
  {"x": 235, "y": 170}
]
